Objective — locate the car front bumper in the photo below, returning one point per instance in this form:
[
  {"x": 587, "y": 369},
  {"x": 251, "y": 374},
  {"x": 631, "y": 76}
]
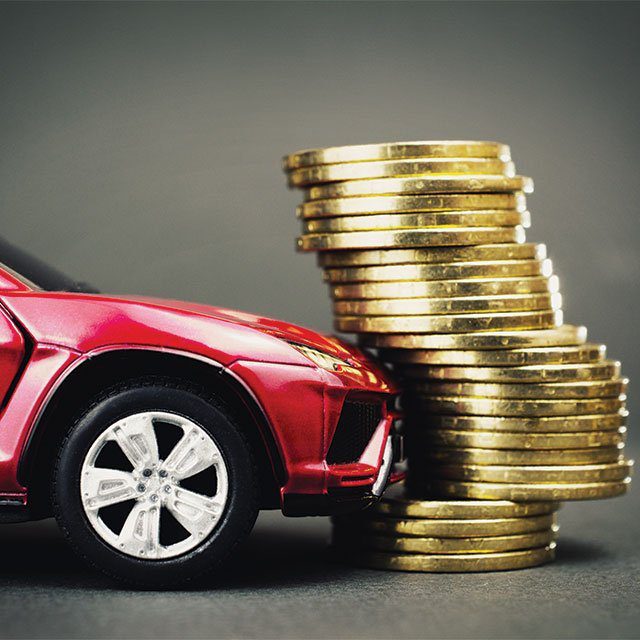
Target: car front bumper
[{"x": 344, "y": 497}]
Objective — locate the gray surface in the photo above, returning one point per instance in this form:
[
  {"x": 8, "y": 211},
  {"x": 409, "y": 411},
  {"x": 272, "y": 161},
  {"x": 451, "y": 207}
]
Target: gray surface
[
  {"x": 282, "y": 585},
  {"x": 140, "y": 150}
]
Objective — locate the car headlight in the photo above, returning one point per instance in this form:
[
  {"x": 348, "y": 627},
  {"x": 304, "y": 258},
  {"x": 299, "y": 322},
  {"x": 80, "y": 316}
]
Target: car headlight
[{"x": 321, "y": 359}]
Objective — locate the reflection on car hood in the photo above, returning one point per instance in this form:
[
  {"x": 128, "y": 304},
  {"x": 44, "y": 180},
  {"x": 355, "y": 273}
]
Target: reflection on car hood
[{"x": 277, "y": 328}]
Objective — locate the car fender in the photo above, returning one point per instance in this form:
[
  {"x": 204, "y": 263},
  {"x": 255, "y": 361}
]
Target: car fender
[{"x": 73, "y": 361}]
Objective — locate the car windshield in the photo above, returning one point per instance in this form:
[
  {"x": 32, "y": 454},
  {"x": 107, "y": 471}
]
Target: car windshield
[{"x": 36, "y": 273}]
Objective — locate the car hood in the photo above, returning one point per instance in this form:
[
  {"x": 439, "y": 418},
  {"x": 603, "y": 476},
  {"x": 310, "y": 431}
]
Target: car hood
[
  {"x": 280, "y": 329},
  {"x": 86, "y": 322}
]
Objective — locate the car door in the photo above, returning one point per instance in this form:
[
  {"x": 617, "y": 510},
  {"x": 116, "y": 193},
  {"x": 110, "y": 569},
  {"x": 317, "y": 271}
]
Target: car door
[{"x": 12, "y": 352}]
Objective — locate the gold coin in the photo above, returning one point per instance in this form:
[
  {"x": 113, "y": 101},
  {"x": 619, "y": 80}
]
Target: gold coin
[
  {"x": 367, "y": 205},
  {"x": 460, "y": 405},
  {"x": 480, "y": 253},
  {"x": 447, "y": 219},
  {"x": 450, "y": 528},
  {"x": 436, "y": 306},
  {"x": 435, "y": 236},
  {"x": 445, "y": 288},
  {"x": 603, "y": 370},
  {"x": 397, "y": 150},
  {"x": 463, "y": 563},
  {"x": 491, "y": 544},
  {"x": 449, "y": 323},
  {"x": 560, "y": 390},
  {"x": 451, "y": 271},
  {"x": 422, "y": 185},
  {"x": 566, "y": 335},
  {"x": 579, "y": 473},
  {"x": 545, "y": 425},
  {"x": 397, "y": 168},
  {"x": 543, "y": 357},
  {"x": 499, "y": 440},
  {"x": 466, "y": 456},
  {"x": 461, "y": 509},
  {"x": 545, "y": 491}
]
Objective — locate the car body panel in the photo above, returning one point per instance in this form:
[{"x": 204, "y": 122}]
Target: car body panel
[
  {"x": 12, "y": 353},
  {"x": 45, "y": 366},
  {"x": 225, "y": 335}
]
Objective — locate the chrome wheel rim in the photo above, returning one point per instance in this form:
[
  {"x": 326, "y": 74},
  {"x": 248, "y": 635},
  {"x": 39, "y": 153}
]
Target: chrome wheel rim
[{"x": 154, "y": 488}]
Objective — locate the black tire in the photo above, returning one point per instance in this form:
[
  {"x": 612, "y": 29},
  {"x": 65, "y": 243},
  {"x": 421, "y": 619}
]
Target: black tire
[{"x": 206, "y": 411}]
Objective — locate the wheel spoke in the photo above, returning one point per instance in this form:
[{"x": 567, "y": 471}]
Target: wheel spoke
[
  {"x": 137, "y": 439},
  {"x": 193, "y": 453},
  {"x": 141, "y": 530},
  {"x": 195, "y": 512},
  {"x": 104, "y": 487}
]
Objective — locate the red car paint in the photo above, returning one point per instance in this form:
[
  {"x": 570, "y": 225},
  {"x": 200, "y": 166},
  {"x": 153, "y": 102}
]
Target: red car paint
[{"x": 46, "y": 335}]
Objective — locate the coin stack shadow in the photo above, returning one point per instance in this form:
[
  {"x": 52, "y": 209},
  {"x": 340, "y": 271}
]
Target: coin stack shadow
[{"x": 423, "y": 248}]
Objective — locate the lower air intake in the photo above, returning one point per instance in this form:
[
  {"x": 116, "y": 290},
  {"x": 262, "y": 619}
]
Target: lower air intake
[{"x": 356, "y": 426}]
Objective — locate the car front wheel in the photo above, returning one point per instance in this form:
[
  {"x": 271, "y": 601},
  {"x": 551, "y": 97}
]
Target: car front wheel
[{"x": 155, "y": 484}]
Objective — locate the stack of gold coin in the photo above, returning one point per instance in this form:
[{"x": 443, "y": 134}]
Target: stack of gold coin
[
  {"x": 408, "y": 195},
  {"x": 449, "y": 535},
  {"x": 423, "y": 247},
  {"x": 501, "y": 430}
]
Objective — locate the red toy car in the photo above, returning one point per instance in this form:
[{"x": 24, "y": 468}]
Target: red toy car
[{"x": 154, "y": 430}]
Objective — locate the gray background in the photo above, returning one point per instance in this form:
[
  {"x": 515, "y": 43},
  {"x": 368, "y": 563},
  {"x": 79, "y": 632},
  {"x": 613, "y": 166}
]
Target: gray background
[{"x": 140, "y": 149}]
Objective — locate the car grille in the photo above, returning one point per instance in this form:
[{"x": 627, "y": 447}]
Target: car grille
[{"x": 358, "y": 420}]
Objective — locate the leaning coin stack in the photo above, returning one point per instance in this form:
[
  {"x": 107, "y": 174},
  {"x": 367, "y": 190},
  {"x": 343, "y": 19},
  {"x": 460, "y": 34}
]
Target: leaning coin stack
[{"x": 423, "y": 247}]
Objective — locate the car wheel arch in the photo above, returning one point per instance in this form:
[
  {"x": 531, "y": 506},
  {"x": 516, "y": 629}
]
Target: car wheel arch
[{"x": 97, "y": 372}]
